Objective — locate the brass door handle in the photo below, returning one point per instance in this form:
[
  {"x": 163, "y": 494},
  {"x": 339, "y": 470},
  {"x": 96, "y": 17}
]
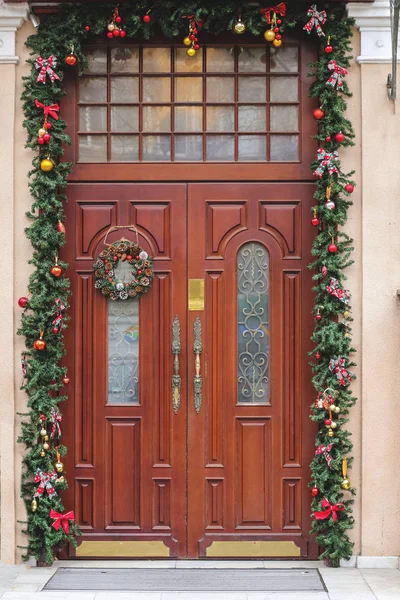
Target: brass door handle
[
  {"x": 197, "y": 379},
  {"x": 176, "y": 378}
]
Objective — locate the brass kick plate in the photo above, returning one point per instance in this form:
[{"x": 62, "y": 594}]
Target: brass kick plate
[
  {"x": 196, "y": 294},
  {"x": 259, "y": 549},
  {"x": 136, "y": 549}
]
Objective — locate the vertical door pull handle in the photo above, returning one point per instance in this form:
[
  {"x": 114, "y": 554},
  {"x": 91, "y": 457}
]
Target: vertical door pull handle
[
  {"x": 197, "y": 379},
  {"x": 176, "y": 378}
]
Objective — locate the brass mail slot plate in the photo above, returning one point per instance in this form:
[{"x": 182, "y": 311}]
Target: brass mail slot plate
[
  {"x": 196, "y": 294},
  {"x": 230, "y": 549},
  {"x": 114, "y": 549}
]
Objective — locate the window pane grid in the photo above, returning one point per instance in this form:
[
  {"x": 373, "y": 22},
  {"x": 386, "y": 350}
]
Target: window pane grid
[{"x": 229, "y": 104}]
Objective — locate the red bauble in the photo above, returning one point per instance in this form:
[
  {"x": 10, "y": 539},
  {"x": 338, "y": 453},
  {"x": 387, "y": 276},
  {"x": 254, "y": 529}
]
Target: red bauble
[
  {"x": 339, "y": 137},
  {"x": 197, "y": 46},
  {"x": 110, "y": 34},
  {"x": 47, "y": 137},
  {"x": 40, "y": 141},
  {"x": 47, "y": 125},
  {"x": 318, "y": 114},
  {"x": 39, "y": 344},
  {"x": 61, "y": 227},
  {"x": 279, "y": 21},
  {"x": 328, "y": 138},
  {"x": 328, "y": 422},
  {"x": 318, "y": 317},
  {"x": 116, "y": 32},
  {"x": 22, "y": 302},
  {"x": 56, "y": 271},
  {"x": 192, "y": 37},
  {"x": 129, "y": 257},
  {"x": 314, "y": 492},
  {"x": 332, "y": 248},
  {"x": 147, "y": 18},
  {"x": 276, "y": 29},
  {"x": 278, "y": 36},
  {"x": 87, "y": 28},
  {"x": 328, "y": 49},
  {"x": 349, "y": 188},
  {"x": 315, "y": 221},
  {"x": 139, "y": 272},
  {"x": 122, "y": 33},
  {"x": 317, "y": 356},
  {"x": 65, "y": 380},
  {"x": 71, "y": 60},
  {"x": 55, "y": 330},
  {"x": 118, "y": 19}
]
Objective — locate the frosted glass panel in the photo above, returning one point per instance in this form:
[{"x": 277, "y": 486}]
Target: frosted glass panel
[
  {"x": 124, "y": 148},
  {"x": 93, "y": 118},
  {"x": 253, "y": 324},
  {"x": 156, "y": 89},
  {"x": 284, "y": 147},
  {"x": 92, "y": 148},
  {"x": 188, "y": 147},
  {"x": 220, "y": 60},
  {"x": 123, "y": 351},
  {"x": 187, "y": 64},
  {"x": 284, "y": 89},
  {"x": 252, "y": 147},
  {"x": 220, "y": 89},
  {"x": 124, "y": 118},
  {"x": 97, "y": 61},
  {"x": 156, "y": 60},
  {"x": 156, "y": 118},
  {"x": 157, "y": 147},
  {"x": 188, "y": 118},
  {"x": 188, "y": 89},
  {"x": 284, "y": 118},
  {"x": 252, "y": 118},
  {"x": 125, "y": 89},
  {"x": 252, "y": 60},
  {"x": 124, "y": 60},
  {"x": 220, "y": 147},
  {"x": 220, "y": 118},
  {"x": 252, "y": 89},
  {"x": 93, "y": 89},
  {"x": 284, "y": 60}
]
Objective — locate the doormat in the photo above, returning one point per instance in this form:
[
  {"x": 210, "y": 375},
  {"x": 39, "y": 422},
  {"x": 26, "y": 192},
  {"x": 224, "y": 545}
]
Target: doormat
[{"x": 187, "y": 580}]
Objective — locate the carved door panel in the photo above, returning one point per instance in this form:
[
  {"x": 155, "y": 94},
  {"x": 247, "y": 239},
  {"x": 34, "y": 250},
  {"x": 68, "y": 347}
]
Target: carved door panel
[
  {"x": 127, "y": 457},
  {"x": 251, "y": 441}
]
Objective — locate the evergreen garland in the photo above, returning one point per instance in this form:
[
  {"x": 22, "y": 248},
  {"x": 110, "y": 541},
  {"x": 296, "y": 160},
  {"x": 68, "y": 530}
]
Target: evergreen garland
[{"x": 57, "y": 34}]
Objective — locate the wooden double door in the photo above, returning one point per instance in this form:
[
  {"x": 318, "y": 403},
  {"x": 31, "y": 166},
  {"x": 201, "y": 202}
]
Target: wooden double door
[{"x": 223, "y": 470}]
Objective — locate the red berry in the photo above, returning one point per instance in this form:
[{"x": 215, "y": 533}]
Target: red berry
[
  {"x": 139, "y": 272},
  {"x": 47, "y": 137},
  {"x": 40, "y": 141},
  {"x": 147, "y": 18},
  {"x": 315, "y": 221},
  {"x": 192, "y": 37},
  {"x": 122, "y": 33},
  {"x": 118, "y": 19},
  {"x": 116, "y": 32},
  {"x": 55, "y": 330},
  {"x": 22, "y": 302},
  {"x": 197, "y": 46},
  {"x": 317, "y": 356},
  {"x": 196, "y": 39},
  {"x": 137, "y": 257},
  {"x": 48, "y": 125},
  {"x": 328, "y": 138},
  {"x": 279, "y": 21},
  {"x": 332, "y": 248},
  {"x": 129, "y": 257},
  {"x": 110, "y": 34},
  {"x": 328, "y": 422},
  {"x": 314, "y": 492},
  {"x": 318, "y": 317},
  {"x": 276, "y": 29},
  {"x": 349, "y": 188},
  {"x": 339, "y": 137},
  {"x": 115, "y": 258},
  {"x": 328, "y": 49},
  {"x": 278, "y": 36},
  {"x": 87, "y": 28}
]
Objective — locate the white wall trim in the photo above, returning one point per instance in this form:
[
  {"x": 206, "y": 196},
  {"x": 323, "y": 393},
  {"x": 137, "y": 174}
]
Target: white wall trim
[
  {"x": 12, "y": 16},
  {"x": 373, "y": 20}
]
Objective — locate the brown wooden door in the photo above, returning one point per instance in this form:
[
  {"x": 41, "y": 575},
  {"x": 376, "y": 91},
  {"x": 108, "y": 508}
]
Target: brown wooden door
[
  {"x": 251, "y": 443},
  {"x": 230, "y": 479}
]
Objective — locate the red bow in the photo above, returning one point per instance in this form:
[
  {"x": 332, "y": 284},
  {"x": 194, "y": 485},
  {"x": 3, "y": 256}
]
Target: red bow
[
  {"x": 62, "y": 519},
  {"x": 51, "y": 110},
  {"x": 279, "y": 9},
  {"x": 330, "y": 509}
]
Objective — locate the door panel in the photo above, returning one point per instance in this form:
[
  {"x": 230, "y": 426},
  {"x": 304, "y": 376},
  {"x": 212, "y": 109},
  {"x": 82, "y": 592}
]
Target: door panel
[
  {"x": 128, "y": 460},
  {"x": 249, "y": 462}
]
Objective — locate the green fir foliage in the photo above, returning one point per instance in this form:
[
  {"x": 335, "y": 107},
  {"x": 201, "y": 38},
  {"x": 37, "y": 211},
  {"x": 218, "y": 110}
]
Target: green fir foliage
[{"x": 57, "y": 35}]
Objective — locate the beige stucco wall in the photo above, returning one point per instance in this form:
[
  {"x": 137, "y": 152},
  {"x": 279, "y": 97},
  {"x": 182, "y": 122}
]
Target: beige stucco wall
[{"x": 375, "y": 225}]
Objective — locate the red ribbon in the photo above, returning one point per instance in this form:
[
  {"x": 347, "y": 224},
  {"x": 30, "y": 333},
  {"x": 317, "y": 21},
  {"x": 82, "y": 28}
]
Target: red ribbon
[
  {"x": 279, "y": 9},
  {"x": 325, "y": 451},
  {"x": 194, "y": 22},
  {"x": 330, "y": 509},
  {"x": 62, "y": 519},
  {"x": 51, "y": 110}
]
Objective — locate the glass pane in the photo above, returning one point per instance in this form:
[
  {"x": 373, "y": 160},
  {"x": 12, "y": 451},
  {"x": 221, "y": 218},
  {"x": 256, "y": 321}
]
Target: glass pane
[
  {"x": 220, "y": 147},
  {"x": 124, "y": 60},
  {"x": 97, "y": 61},
  {"x": 123, "y": 351},
  {"x": 93, "y": 118},
  {"x": 92, "y": 148},
  {"x": 186, "y": 64},
  {"x": 253, "y": 324},
  {"x": 188, "y": 89},
  {"x": 156, "y": 118},
  {"x": 156, "y": 89},
  {"x": 188, "y": 147},
  {"x": 284, "y": 89},
  {"x": 188, "y": 118},
  {"x": 252, "y": 118},
  {"x": 284, "y": 60},
  {"x": 252, "y": 60},
  {"x": 125, "y": 148},
  {"x": 284, "y": 118},
  {"x": 156, "y": 147},
  {"x": 252, "y": 89},
  {"x": 220, "y": 89},
  {"x": 284, "y": 147},
  {"x": 124, "y": 118},
  {"x": 156, "y": 60},
  {"x": 220, "y": 60},
  {"x": 252, "y": 147},
  {"x": 125, "y": 89},
  {"x": 220, "y": 118},
  {"x": 93, "y": 89}
]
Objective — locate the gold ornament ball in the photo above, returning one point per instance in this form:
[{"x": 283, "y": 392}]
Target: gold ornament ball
[
  {"x": 47, "y": 165},
  {"x": 333, "y": 425},
  {"x": 269, "y": 35},
  {"x": 45, "y": 438},
  {"x": 42, "y": 453},
  {"x": 43, "y": 432},
  {"x": 239, "y": 27},
  {"x": 59, "y": 467},
  {"x": 277, "y": 43},
  {"x": 191, "y": 52},
  {"x": 187, "y": 41},
  {"x": 346, "y": 314},
  {"x": 330, "y": 433},
  {"x": 34, "y": 505},
  {"x": 41, "y": 132},
  {"x": 346, "y": 484},
  {"x": 46, "y": 446},
  {"x": 111, "y": 27}
]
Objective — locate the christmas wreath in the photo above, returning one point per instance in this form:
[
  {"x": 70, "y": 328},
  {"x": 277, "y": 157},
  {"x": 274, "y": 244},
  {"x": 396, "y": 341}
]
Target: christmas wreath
[{"x": 107, "y": 278}]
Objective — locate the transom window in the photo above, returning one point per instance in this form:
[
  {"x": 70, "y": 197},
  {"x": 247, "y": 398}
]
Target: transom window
[{"x": 227, "y": 104}]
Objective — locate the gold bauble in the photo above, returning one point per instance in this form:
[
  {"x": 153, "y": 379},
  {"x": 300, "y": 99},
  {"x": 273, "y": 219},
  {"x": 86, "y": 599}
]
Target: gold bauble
[
  {"x": 59, "y": 467},
  {"x": 333, "y": 425},
  {"x": 239, "y": 27},
  {"x": 346, "y": 314},
  {"x": 346, "y": 484},
  {"x": 277, "y": 43},
  {"x": 111, "y": 27},
  {"x": 41, "y": 132},
  {"x": 42, "y": 453},
  {"x": 337, "y": 410},
  {"x": 34, "y": 505},
  {"x": 333, "y": 407},
  {"x": 269, "y": 35},
  {"x": 187, "y": 41},
  {"x": 190, "y": 52},
  {"x": 46, "y": 438},
  {"x": 43, "y": 432},
  {"x": 330, "y": 433},
  {"x": 46, "y": 446},
  {"x": 47, "y": 165},
  {"x": 60, "y": 480}
]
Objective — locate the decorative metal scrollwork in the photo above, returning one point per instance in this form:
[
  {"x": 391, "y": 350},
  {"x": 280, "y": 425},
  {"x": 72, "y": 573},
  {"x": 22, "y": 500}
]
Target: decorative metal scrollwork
[
  {"x": 176, "y": 378},
  {"x": 197, "y": 379}
]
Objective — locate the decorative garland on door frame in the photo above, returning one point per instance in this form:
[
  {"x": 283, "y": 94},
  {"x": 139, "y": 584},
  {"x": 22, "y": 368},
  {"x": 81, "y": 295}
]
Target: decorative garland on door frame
[{"x": 55, "y": 47}]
